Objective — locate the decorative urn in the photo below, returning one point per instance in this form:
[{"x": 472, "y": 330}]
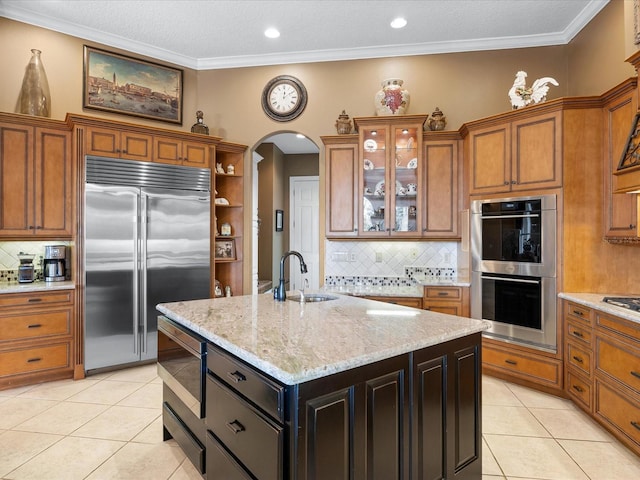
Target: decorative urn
[
  {"x": 437, "y": 121},
  {"x": 392, "y": 99},
  {"x": 343, "y": 124}
]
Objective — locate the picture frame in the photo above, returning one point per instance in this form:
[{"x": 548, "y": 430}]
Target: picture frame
[
  {"x": 120, "y": 84},
  {"x": 225, "y": 249},
  {"x": 279, "y": 220}
]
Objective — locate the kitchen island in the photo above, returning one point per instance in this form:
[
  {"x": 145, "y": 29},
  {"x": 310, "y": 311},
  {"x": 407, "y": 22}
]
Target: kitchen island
[{"x": 347, "y": 388}]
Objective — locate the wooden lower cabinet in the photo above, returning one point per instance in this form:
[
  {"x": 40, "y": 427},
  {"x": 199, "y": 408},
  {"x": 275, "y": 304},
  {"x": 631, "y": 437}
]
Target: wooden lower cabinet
[
  {"x": 450, "y": 300},
  {"x": 603, "y": 369},
  {"x": 360, "y": 424},
  {"x": 36, "y": 337},
  {"x": 528, "y": 366},
  {"x": 415, "y": 302}
]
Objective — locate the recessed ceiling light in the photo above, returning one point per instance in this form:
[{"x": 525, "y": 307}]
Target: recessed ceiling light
[
  {"x": 398, "y": 22},
  {"x": 271, "y": 33}
]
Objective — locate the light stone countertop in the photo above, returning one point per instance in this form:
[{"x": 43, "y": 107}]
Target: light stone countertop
[
  {"x": 296, "y": 342},
  {"x": 17, "y": 287},
  {"x": 594, "y": 300}
]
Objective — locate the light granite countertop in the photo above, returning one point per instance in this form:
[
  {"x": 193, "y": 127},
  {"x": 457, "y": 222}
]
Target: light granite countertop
[
  {"x": 594, "y": 300},
  {"x": 296, "y": 342},
  {"x": 17, "y": 287}
]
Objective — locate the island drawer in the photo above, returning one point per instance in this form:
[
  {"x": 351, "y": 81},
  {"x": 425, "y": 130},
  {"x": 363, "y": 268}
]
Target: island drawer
[
  {"x": 258, "y": 389},
  {"x": 222, "y": 463},
  {"x": 251, "y": 436},
  {"x": 26, "y": 360}
]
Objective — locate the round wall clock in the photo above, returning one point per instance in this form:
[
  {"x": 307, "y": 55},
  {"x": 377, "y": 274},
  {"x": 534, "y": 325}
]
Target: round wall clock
[{"x": 284, "y": 98}]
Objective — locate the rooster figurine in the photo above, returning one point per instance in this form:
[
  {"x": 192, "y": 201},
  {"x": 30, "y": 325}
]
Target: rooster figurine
[{"x": 521, "y": 96}]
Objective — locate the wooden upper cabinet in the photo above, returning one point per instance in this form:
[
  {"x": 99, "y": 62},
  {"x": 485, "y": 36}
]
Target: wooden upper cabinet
[
  {"x": 107, "y": 142},
  {"x": 620, "y": 214},
  {"x": 36, "y": 181},
  {"x": 517, "y": 155},
  {"x": 341, "y": 166},
  {"x": 178, "y": 152},
  {"x": 442, "y": 189}
]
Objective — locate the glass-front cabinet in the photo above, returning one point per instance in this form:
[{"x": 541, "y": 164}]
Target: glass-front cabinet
[{"x": 390, "y": 191}]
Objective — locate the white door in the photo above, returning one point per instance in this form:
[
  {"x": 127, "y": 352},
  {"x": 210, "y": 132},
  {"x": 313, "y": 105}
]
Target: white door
[{"x": 304, "y": 202}]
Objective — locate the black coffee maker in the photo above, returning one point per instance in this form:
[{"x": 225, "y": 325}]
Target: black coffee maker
[{"x": 54, "y": 263}]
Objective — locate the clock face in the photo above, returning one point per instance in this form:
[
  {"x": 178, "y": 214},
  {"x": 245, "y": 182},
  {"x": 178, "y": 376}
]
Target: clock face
[{"x": 284, "y": 98}]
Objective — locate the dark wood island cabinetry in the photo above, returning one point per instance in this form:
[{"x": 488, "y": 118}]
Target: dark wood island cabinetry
[{"x": 344, "y": 389}]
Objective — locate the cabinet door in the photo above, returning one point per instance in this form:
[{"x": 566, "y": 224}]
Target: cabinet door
[
  {"x": 536, "y": 152},
  {"x": 441, "y": 189},
  {"x": 490, "y": 159},
  {"x": 54, "y": 192},
  {"x": 376, "y": 186},
  {"x": 620, "y": 209},
  {"x": 341, "y": 190},
  {"x": 16, "y": 173},
  {"x": 136, "y": 146},
  {"x": 406, "y": 201},
  {"x": 195, "y": 154},
  {"x": 167, "y": 150}
]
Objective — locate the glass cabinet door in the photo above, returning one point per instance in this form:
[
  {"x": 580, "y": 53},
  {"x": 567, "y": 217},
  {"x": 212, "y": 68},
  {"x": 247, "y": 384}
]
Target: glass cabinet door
[
  {"x": 375, "y": 191},
  {"x": 406, "y": 184}
]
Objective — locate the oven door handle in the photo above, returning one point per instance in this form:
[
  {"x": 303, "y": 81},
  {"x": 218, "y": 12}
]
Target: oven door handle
[
  {"x": 526, "y": 215},
  {"x": 515, "y": 280}
]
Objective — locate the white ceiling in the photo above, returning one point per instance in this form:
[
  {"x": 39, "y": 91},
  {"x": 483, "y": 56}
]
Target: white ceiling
[{"x": 212, "y": 34}]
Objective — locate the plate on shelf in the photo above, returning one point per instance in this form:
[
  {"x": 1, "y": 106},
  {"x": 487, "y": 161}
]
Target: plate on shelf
[
  {"x": 413, "y": 163},
  {"x": 379, "y": 188},
  {"x": 368, "y": 164},
  {"x": 370, "y": 145}
]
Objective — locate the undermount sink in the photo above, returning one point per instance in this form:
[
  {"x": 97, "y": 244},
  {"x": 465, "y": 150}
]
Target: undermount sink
[{"x": 312, "y": 297}]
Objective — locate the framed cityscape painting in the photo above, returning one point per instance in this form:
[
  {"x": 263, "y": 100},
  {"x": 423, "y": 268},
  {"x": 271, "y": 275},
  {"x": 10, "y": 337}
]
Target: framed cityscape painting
[{"x": 121, "y": 84}]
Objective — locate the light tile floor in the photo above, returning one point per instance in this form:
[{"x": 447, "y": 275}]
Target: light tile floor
[{"x": 109, "y": 426}]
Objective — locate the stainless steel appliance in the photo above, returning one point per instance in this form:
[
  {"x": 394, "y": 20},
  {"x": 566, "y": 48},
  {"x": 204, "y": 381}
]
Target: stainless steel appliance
[
  {"x": 147, "y": 241},
  {"x": 55, "y": 263},
  {"x": 26, "y": 272},
  {"x": 513, "y": 263}
]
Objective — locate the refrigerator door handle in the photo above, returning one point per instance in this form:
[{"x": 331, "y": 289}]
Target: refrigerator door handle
[
  {"x": 136, "y": 279},
  {"x": 144, "y": 220}
]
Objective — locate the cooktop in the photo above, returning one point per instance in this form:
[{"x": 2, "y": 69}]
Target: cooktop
[{"x": 625, "y": 302}]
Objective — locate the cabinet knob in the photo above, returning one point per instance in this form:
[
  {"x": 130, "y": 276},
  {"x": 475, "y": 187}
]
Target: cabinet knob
[
  {"x": 578, "y": 388},
  {"x": 513, "y": 182},
  {"x": 577, "y": 334},
  {"x": 632, "y": 226},
  {"x": 578, "y": 312},
  {"x": 506, "y": 183},
  {"x": 578, "y": 359}
]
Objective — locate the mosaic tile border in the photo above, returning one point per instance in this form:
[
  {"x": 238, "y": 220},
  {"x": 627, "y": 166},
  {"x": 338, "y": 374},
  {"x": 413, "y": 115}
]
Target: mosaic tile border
[{"x": 411, "y": 273}]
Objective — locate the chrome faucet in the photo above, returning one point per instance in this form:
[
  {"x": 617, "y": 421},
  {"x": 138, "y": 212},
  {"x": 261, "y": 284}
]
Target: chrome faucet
[{"x": 279, "y": 292}]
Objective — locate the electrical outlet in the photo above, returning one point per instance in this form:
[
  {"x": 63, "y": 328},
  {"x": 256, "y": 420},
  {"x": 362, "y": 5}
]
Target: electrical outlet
[
  {"x": 378, "y": 257},
  {"x": 352, "y": 257}
]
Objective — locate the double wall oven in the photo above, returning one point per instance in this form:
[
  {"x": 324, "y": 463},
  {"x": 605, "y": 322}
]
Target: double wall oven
[{"x": 513, "y": 268}]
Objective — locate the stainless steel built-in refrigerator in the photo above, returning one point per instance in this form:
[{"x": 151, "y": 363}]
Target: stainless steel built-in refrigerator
[{"x": 146, "y": 242}]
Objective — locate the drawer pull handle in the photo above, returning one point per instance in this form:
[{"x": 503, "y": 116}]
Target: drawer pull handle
[
  {"x": 635, "y": 424},
  {"x": 35, "y": 325},
  {"x": 635, "y": 374},
  {"x": 443, "y": 294},
  {"x": 33, "y": 360},
  {"x": 578, "y": 359},
  {"x": 578, "y": 312},
  {"x": 511, "y": 362},
  {"x": 35, "y": 300},
  {"x": 577, "y": 334},
  {"x": 578, "y": 388},
  {"x": 236, "y": 376},
  {"x": 236, "y": 427}
]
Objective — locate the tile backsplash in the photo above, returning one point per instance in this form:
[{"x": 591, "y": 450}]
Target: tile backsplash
[
  {"x": 9, "y": 257},
  {"x": 388, "y": 259}
]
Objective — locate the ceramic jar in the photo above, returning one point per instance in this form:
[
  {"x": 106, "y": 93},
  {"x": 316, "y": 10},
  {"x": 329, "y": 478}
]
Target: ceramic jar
[
  {"x": 437, "y": 121},
  {"x": 392, "y": 99},
  {"x": 343, "y": 124},
  {"x": 35, "y": 98}
]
